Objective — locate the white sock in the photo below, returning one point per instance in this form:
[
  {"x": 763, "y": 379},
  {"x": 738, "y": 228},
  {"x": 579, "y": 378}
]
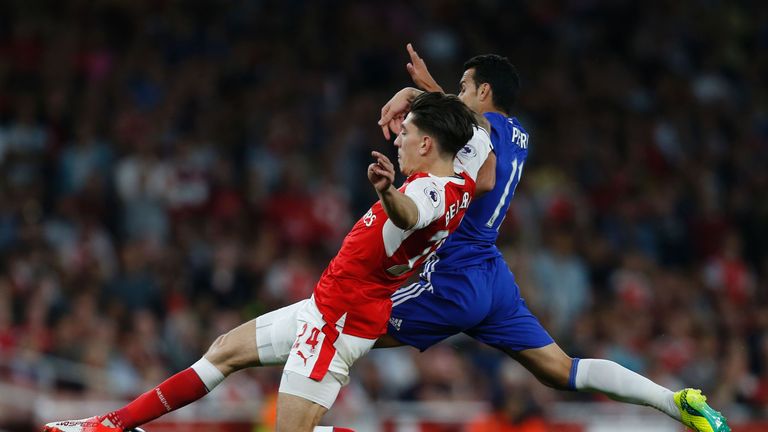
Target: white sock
[
  {"x": 208, "y": 373},
  {"x": 621, "y": 384},
  {"x": 323, "y": 429}
]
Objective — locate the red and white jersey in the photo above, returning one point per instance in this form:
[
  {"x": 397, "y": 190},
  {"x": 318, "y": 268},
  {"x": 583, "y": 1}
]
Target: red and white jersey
[{"x": 377, "y": 257}]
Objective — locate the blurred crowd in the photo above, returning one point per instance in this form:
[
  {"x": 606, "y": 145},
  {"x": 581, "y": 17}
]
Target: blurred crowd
[{"x": 169, "y": 169}]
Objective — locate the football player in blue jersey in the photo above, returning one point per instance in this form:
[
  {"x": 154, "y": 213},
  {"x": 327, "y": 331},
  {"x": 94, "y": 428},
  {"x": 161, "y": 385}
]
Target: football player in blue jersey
[{"x": 467, "y": 287}]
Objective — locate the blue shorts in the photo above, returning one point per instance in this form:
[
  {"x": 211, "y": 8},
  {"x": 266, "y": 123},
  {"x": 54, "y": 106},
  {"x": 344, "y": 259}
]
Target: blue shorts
[{"x": 482, "y": 301}]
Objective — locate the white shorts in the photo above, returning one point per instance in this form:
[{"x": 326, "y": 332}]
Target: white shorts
[{"x": 298, "y": 336}]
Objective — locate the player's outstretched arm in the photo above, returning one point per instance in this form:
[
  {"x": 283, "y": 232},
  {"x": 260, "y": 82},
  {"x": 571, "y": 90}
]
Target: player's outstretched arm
[
  {"x": 420, "y": 75},
  {"x": 400, "y": 209},
  {"x": 394, "y": 111}
]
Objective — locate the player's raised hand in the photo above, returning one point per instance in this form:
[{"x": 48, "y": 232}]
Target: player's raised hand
[
  {"x": 419, "y": 72},
  {"x": 381, "y": 173},
  {"x": 394, "y": 111}
]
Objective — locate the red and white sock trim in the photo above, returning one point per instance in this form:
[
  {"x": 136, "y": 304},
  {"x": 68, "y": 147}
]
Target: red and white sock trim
[{"x": 209, "y": 374}]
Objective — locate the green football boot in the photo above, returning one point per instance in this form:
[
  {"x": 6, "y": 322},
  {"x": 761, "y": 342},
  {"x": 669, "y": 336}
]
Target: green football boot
[{"x": 696, "y": 414}]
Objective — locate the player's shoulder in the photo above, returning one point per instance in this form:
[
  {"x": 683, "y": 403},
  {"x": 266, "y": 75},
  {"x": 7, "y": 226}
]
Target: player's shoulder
[
  {"x": 432, "y": 186},
  {"x": 498, "y": 119},
  {"x": 481, "y": 139},
  {"x": 424, "y": 179}
]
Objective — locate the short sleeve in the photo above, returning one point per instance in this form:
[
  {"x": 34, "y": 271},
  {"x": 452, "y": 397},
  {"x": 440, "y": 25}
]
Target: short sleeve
[
  {"x": 473, "y": 155},
  {"x": 429, "y": 197}
]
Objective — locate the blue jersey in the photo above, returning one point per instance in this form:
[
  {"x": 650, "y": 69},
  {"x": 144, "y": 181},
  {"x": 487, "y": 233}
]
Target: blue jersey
[
  {"x": 466, "y": 286},
  {"x": 475, "y": 239}
]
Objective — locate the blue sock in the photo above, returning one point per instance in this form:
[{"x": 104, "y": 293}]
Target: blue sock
[{"x": 572, "y": 377}]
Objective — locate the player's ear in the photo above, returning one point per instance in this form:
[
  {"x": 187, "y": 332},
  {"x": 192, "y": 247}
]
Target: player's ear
[
  {"x": 426, "y": 143},
  {"x": 484, "y": 91}
]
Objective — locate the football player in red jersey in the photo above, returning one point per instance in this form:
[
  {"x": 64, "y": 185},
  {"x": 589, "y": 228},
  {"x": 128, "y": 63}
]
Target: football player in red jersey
[{"x": 318, "y": 339}]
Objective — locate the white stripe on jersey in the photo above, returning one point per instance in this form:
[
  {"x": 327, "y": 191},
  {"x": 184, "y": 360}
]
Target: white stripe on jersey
[
  {"x": 503, "y": 199},
  {"x": 425, "y": 287},
  {"x": 430, "y": 267},
  {"x": 408, "y": 289},
  {"x": 393, "y": 237}
]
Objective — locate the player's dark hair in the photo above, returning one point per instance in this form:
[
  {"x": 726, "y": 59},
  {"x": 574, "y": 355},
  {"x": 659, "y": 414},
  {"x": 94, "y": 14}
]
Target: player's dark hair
[
  {"x": 502, "y": 76},
  {"x": 445, "y": 118}
]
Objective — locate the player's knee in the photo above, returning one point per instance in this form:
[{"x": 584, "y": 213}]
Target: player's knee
[
  {"x": 229, "y": 356},
  {"x": 557, "y": 374},
  {"x": 218, "y": 353},
  {"x": 550, "y": 365}
]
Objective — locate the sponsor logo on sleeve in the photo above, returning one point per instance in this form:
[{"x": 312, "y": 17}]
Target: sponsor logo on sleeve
[
  {"x": 434, "y": 196},
  {"x": 468, "y": 152}
]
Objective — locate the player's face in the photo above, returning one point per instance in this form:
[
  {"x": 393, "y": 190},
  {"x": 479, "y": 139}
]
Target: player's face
[
  {"x": 408, "y": 144},
  {"x": 468, "y": 89}
]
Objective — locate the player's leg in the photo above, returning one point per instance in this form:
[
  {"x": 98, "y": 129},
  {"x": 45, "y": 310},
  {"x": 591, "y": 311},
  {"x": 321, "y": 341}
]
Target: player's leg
[
  {"x": 235, "y": 350},
  {"x": 262, "y": 341},
  {"x": 316, "y": 368},
  {"x": 309, "y": 412},
  {"x": 297, "y": 413},
  {"x": 554, "y": 368},
  {"x": 511, "y": 327},
  {"x": 549, "y": 364}
]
